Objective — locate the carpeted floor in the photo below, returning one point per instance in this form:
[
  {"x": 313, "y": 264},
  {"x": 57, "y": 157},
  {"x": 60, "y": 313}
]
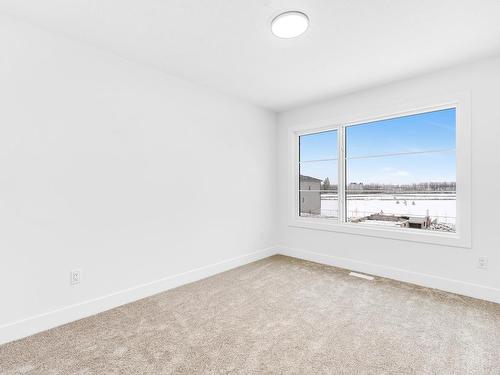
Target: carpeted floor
[{"x": 279, "y": 315}]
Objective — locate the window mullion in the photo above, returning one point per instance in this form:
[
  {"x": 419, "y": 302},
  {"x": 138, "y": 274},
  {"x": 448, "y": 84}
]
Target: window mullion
[{"x": 341, "y": 174}]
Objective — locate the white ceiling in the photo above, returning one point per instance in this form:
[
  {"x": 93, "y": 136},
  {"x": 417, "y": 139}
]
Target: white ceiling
[{"x": 227, "y": 44}]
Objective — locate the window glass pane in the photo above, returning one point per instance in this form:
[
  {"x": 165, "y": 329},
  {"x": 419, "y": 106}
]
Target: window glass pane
[
  {"x": 415, "y": 133},
  {"x": 406, "y": 191},
  {"x": 401, "y": 172},
  {"x": 318, "y": 146},
  {"x": 318, "y": 191}
]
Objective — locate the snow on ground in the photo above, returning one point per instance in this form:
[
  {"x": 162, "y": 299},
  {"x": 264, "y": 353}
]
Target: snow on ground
[{"x": 439, "y": 206}]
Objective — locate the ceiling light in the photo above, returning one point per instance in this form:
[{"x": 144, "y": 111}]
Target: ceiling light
[{"x": 289, "y": 24}]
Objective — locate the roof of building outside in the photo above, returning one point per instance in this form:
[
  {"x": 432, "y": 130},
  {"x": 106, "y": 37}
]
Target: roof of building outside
[{"x": 309, "y": 178}]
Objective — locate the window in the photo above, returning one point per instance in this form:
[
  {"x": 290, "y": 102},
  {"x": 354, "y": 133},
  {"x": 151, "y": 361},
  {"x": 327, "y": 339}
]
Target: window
[
  {"x": 401, "y": 172},
  {"x": 387, "y": 177},
  {"x": 318, "y": 172}
]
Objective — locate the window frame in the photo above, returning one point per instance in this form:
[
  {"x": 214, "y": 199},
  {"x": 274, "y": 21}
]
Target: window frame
[{"x": 462, "y": 236}]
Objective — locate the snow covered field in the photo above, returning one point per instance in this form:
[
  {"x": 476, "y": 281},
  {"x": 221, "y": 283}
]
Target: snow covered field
[{"x": 440, "y": 206}]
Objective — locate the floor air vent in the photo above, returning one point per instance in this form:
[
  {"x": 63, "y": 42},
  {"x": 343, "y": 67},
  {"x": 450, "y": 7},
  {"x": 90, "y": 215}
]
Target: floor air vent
[{"x": 361, "y": 275}]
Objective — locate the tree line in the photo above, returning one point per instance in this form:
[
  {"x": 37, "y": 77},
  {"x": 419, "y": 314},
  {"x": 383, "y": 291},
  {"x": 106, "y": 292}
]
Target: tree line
[{"x": 421, "y": 186}]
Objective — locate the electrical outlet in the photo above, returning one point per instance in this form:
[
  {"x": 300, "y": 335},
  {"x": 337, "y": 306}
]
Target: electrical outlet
[
  {"x": 75, "y": 277},
  {"x": 482, "y": 263}
]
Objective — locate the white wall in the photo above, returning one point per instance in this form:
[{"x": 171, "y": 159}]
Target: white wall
[
  {"x": 448, "y": 268},
  {"x": 122, "y": 171}
]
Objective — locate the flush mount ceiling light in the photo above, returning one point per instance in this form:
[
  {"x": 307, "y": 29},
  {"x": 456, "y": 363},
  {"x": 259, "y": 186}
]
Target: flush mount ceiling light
[{"x": 289, "y": 24}]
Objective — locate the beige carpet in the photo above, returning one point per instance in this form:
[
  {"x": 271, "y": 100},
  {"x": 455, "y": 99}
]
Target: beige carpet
[{"x": 279, "y": 315}]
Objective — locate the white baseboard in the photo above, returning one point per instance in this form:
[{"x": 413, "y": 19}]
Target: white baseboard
[
  {"x": 430, "y": 281},
  {"x": 26, "y": 327}
]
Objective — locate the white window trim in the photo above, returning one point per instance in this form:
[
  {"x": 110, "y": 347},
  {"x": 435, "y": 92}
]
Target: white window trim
[{"x": 462, "y": 237}]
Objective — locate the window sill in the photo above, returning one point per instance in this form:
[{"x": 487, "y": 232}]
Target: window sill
[{"x": 414, "y": 235}]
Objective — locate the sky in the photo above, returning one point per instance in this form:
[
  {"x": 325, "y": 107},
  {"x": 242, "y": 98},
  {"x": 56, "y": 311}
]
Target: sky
[{"x": 415, "y": 133}]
